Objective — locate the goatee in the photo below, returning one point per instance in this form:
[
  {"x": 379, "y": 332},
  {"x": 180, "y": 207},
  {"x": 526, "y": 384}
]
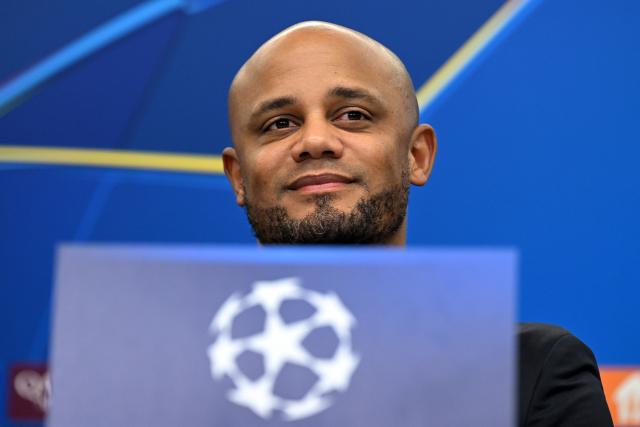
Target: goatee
[{"x": 374, "y": 220}]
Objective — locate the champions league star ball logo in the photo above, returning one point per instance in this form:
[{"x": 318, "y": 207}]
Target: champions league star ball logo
[{"x": 281, "y": 344}]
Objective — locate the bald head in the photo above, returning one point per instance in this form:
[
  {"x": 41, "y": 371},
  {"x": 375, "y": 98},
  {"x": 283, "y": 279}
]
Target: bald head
[
  {"x": 307, "y": 40},
  {"x": 326, "y": 139}
]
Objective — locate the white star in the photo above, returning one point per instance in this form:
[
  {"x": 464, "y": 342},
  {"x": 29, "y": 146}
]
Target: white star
[
  {"x": 304, "y": 408},
  {"x": 280, "y": 343},
  {"x": 256, "y": 396},
  {"x": 331, "y": 311},
  {"x": 271, "y": 294},
  {"x": 223, "y": 352},
  {"x": 335, "y": 374},
  {"x": 223, "y": 318}
]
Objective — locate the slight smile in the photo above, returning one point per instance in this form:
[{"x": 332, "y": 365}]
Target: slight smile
[{"x": 326, "y": 182}]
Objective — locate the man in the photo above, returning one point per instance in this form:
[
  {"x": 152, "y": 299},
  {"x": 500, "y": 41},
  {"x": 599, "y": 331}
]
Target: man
[{"x": 326, "y": 143}]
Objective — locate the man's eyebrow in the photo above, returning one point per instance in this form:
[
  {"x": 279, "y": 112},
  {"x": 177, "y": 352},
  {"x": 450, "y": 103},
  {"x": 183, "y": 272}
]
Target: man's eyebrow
[
  {"x": 353, "y": 93},
  {"x": 273, "y": 104}
]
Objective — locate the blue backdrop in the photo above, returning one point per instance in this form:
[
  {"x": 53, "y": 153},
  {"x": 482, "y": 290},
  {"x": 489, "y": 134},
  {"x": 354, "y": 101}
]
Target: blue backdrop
[{"x": 537, "y": 146}]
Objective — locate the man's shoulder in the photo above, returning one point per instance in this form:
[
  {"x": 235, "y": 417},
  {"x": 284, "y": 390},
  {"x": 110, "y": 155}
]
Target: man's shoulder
[
  {"x": 540, "y": 344},
  {"x": 536, "y": 342},
  {"x": 540, "y": 337},
  {"x": 559, "y": 380},
  {"x": 541, "y": 329}
]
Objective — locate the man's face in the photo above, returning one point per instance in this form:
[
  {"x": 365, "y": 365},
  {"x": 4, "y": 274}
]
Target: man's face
[{"x": 322, "y": 136}]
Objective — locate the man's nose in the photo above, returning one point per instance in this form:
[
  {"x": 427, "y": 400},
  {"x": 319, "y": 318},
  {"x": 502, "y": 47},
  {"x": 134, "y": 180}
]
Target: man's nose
[{"x": 318, "y": 139}]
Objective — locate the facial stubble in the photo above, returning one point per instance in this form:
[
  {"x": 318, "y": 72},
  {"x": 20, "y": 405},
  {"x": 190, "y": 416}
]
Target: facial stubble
[{"x": 374, "y": 219}]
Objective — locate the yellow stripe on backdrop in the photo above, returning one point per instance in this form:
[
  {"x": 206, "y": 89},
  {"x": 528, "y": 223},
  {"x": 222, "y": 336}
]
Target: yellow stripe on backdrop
[
  {"x": 112, "y": 159},
  {"x": 210, "y": 164},
  {"x": 429, "y": 91}
]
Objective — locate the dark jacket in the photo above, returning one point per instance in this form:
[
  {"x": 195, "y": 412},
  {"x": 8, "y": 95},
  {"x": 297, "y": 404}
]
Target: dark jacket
[{"x": 559, "y": 380}]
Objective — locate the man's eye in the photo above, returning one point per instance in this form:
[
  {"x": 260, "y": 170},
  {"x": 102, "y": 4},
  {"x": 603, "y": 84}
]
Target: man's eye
[
  {"x": 353, "y": 116},
  {"x": 281, "y": 124}
]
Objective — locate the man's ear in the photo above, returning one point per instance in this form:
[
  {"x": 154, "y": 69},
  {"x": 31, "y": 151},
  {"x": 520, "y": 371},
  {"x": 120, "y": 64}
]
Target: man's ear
[
  {"x": 232, "y": 171},
  {"x": 422, "y": 153}
]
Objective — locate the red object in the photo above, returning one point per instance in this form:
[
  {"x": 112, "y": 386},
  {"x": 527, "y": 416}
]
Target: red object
[{"x": 28, "y": 391}]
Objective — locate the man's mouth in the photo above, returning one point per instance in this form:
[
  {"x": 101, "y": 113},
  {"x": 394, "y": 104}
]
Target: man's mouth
[{"x": 320, "y": 183}]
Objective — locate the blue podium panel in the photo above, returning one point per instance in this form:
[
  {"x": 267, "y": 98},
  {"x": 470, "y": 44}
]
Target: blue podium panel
[{"x": 151, "y": 336}]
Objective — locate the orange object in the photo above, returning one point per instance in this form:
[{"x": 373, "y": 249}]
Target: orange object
[{"x": 622, "y": 389}]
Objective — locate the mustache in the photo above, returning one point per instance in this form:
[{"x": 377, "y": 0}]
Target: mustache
[{"x": 353, "y": 175}]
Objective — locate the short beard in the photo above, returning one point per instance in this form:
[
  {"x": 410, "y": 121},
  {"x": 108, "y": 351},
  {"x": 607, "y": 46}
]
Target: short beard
[{"x": 374, "y": 220}]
